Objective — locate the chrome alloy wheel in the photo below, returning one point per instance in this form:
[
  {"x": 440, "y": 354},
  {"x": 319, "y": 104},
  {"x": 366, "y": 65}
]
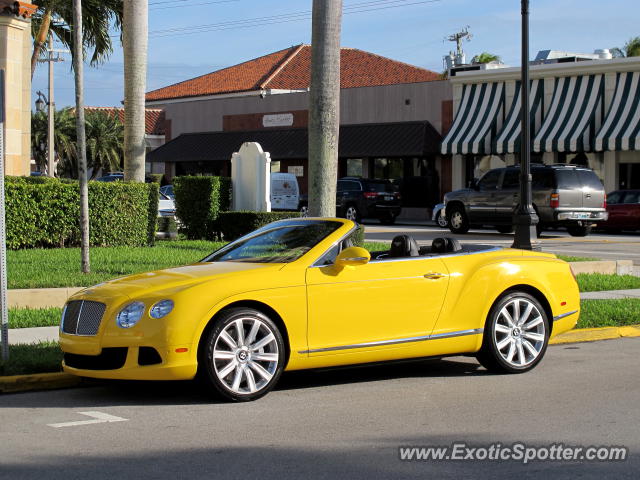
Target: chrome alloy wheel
[
  {"x": 442, "y": 220},
  {"x": 456, "y": 219},
  {"x": 351, "y": 214},
  {"x": 245, "y": 355},
  {"x": 519, "y": 332},
  {"x": 304, "y": 211}
]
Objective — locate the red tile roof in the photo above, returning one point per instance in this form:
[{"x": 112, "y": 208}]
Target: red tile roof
[
  {"x": 290, "y": 69},
  {"x": 154, "y": 118}
]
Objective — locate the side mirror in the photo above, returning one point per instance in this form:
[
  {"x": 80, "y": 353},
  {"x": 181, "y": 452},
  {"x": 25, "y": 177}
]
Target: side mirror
[{"x": 352, "y": 256}]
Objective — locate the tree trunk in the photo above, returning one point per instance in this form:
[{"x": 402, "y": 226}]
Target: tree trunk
[
  {"x": 135, "y": 29},
  {"x": 81, "y": 143},
  {"x": 324, "y": 108},
  {"x": 41, "y": 37}
]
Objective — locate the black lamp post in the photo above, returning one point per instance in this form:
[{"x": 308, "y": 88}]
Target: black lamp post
[{"x": 525, "y": 218}]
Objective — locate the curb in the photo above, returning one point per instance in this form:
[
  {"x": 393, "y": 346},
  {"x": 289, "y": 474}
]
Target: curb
[
  {"x": 38, "y": 381},
  {"x": 594, "y": 334}
]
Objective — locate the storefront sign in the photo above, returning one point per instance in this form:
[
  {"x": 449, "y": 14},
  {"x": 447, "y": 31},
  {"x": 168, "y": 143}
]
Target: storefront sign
[
  {"x": 278, "y": 120},
  {"x": 297, "y": 170}
]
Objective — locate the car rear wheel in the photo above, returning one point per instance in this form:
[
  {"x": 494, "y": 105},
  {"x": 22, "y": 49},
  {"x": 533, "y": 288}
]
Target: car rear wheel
[
  {"x": 304, "y": 211},
  {"x": 579, "y": 230},
  {"x": 516, "y": 334},
  {"x": 457, "y": 219},
  {"x": 442, "y": 221},
  {"x": 352, "y": 213},
  {"x": 244, "y": 355}
]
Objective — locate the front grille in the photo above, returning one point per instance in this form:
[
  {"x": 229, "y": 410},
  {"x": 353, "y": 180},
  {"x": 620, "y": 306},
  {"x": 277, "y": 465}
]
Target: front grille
[
  {"x": 82, "y": 317},
  {"x": 109, "y": 359}
]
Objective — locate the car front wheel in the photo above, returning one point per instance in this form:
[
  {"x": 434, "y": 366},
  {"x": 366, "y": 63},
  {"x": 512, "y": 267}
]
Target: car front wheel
[
  {"x": 516, "y": 334},
  {"x": 244, "y": 355},
  {"x": 457, "y": 219},
  {"x": 351, "y": 213}
]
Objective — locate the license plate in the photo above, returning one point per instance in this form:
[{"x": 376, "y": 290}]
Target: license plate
[
  {"x": 583, "y": 215},
  {"x": 388, "y": 198}
]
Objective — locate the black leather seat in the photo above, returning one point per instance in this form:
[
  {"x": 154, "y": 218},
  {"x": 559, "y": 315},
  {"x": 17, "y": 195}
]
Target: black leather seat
[
  {"x": 403, "y": 246},
  {"x": 445, "y": 245}
]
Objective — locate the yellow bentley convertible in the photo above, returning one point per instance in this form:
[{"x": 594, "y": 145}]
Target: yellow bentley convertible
[{"x": 297, "y": 294}]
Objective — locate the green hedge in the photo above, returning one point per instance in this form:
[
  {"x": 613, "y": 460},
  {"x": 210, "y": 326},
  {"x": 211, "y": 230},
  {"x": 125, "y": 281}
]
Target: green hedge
[
  {"x": 199, "y": 201},
  {"x": 232, "y": 225},
  {"x": 46, "y": 213}
]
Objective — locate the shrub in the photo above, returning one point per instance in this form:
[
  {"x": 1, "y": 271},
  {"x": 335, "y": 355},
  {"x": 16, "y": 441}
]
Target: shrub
[
  {"x": 232, "y": 225},
  {"x": 167, "y": 224},
  {"x": 46, "y": 214},
  {"x": 154, "y": 178},
  {"x": 358, "y": 236},
  {"x": 199, "y": 201}
]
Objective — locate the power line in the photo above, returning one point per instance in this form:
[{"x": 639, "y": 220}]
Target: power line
[
  {"x": 362, "y": 7},
  {"x": 165, "y": 7}
]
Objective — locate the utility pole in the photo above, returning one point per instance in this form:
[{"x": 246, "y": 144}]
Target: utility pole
[
  {"x": 51, "y": 153},
  {"x": 4, "y": 316},
  {"x": 458, "y": 37},
  {"x": 81, "y": 145},
  {"x": 525, "y": 218},
  {"x": 324, "y": 107}
]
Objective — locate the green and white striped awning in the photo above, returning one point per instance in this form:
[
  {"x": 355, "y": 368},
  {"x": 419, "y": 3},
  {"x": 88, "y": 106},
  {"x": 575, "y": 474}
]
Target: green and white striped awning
[
  {"x": 570, "y": 124},
  {"x": 508, "y": 140},
  {"x": 621, "y": 128},
  {"x": 475, "y": 124}
]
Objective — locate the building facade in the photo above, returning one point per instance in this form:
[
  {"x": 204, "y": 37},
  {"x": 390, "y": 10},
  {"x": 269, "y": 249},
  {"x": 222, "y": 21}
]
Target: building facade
[
  {"x": 582, "y": 112},
  {"x": 392, "y": 117}
]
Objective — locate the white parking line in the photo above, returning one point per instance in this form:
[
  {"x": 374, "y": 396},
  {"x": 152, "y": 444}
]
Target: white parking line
[{"x": 98, "y": 417}]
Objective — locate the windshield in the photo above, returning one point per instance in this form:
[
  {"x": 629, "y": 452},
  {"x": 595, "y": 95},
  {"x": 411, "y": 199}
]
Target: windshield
[{"x": 276, "y": 243}]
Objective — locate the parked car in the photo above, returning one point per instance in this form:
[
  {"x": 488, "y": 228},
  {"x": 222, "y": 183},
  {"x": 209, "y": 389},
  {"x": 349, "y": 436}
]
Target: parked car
[
  {"x": 623, "y": 207},
  {"x": 111, "y": 177},
  {"x": 166, "y": 206},
  {"x": 168, "y": 191},
  {"x": 359, "y": 198},
  {"x": 296, "y": 294},
  {"x": 285, "y": 193},
  {"x": 563, "y": 195},
  {"x": 438, "y": 215}
]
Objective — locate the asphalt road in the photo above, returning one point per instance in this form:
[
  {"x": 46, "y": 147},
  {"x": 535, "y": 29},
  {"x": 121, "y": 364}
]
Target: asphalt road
[
  {"x": 597, "y": 245},
  {"x": 336, "y": 424}
]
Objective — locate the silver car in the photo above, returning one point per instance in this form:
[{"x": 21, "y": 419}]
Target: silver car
[{"x": 563, "y": 195}]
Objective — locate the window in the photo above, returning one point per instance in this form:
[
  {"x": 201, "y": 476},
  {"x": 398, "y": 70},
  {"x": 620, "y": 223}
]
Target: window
[
  {"x": 511, "y": 179},
  {"x": 542, "y": 178},
  {"x": 614, "y": 198},
  {"x": 349, "y": 186},
  {"x": 490, "y": 180},
  {"x": 631, "y": 197},
  {"x": 588, "y": 178}
]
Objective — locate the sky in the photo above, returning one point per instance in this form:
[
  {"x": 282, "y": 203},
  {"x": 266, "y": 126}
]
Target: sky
[{"x": 188, "y": 38}]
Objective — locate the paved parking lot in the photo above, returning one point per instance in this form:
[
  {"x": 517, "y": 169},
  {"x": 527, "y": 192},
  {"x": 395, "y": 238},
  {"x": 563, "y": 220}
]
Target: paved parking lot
[
  {"x": 344, "y": 423},
  {"x": 597, "y": 245}
]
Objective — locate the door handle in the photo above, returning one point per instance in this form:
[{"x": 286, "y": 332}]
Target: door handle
[
  {"x": 588, "y": 195},
  {"x": 434, "y": 275}
]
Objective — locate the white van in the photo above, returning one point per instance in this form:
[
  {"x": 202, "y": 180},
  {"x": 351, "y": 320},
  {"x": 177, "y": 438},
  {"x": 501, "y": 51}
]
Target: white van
[{"x": 285, "y": 193}]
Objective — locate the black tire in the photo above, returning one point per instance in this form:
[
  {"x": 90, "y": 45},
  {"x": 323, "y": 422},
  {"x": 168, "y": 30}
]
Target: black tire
[
  {"x": 353, "y": 212},
  {"x": 442, "y": 221},
  {"x": 460, "y": 222},
  {"x": 388, "y": 219},
  {"x": 504, "y": 228},
  {"x": 579, "y": 230},
  {"x": 214, "y": 367},
  {"x": 490, "y": 355}
]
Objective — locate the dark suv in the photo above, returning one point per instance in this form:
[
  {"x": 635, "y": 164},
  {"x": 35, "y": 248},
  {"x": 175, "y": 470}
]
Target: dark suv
[
  {"x": 363, "y": 197},
  {"x": 563, "y": 195}
]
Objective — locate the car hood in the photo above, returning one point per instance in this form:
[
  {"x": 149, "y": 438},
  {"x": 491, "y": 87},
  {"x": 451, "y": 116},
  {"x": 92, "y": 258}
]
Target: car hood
[{"x": 176, "y": 278}]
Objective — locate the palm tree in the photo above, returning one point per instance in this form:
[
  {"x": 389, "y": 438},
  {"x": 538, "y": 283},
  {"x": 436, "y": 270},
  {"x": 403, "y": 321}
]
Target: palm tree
[
  {"x": 56, "y": 17},
  {"x": 135, "y": 33},
  {"x": 630, "y": 49},
  {"x": 105, "y": 138},
  {"x": 64, "y": 139},
  {"x": 486, "y": 57},
  {"x": 324, "y": 107}
]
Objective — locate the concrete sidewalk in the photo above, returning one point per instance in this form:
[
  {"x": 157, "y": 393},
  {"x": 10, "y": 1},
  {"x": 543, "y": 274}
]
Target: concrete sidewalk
[{"x": 31, "y": 335}]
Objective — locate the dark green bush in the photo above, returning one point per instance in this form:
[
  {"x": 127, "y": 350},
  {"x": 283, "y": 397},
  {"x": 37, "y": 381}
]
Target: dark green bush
[
  {"x": 47, "y": 214},
  {"x": 358, "y": 236},
  {"x": 232, "y": 225},
  {"x": 167, "y": 224},
  {"x": 154, "y": 178},
  {"x": 199, "y": 201}
]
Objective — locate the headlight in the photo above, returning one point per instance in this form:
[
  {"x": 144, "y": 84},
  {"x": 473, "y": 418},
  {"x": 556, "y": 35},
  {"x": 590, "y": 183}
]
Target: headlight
[
  {"x": 130, "y": 315},
  {"x": 161, "y": 309}
]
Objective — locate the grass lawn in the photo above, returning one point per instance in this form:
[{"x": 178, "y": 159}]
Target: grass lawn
[
  {"x": 609, "y": 313},
  {"x": 60, "y": 267},
  {"x": 596, "y": 282},
  {"x": 569, "y": 258},
  {"x": 34, "y": 317},
  {"x": 34, "y": 358}
]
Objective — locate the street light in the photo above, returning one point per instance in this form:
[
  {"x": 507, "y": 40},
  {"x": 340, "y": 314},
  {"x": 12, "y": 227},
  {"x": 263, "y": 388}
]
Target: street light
[
  {"x": 41, "y": 102},
  {"x": 525, "y": 218}
]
